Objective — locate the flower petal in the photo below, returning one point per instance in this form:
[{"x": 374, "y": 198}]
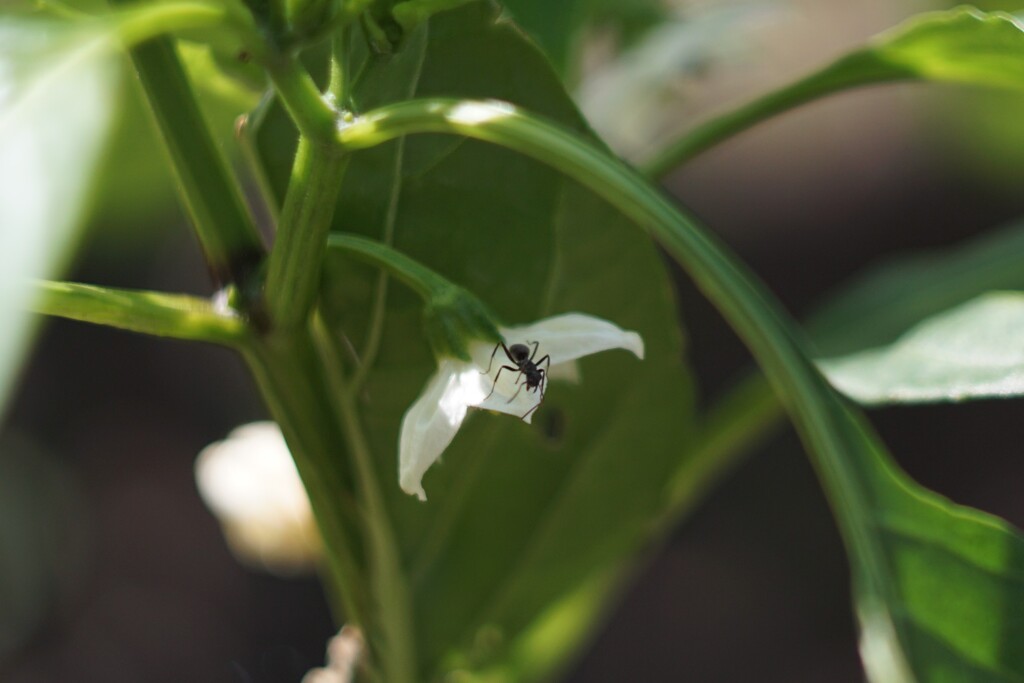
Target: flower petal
[
  {"x": 504, "y": 390},
  {"x": 519, "y": 404},
  {"x": 250, "y": 483},
  {"x": 574, "y": 335},
  {"x": 568, "y": 371},
  {"x": 431, "y": 422}
]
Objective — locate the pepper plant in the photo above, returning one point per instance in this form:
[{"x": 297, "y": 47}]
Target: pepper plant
[{"x": 436, "y": 201}]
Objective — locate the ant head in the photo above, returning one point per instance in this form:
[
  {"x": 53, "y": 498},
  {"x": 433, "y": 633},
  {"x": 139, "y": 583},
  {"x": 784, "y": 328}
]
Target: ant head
[{"x": 520, "y": 352}]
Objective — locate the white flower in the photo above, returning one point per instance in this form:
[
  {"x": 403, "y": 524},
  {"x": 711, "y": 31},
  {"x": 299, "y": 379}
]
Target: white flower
[
  {"x": 431, "y": 422},
  {"x": 250, "y": 483}
]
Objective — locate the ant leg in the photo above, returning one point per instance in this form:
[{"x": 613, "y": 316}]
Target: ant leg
[
  {"x": 536, "y": 347},
  {"x": 495, "y": 385},
  {"x": 516, "y": 392},
  {"x": 545, "y": 359},
  {"x": 488, "y": 370},
  {"x": 543, "y": 392}
]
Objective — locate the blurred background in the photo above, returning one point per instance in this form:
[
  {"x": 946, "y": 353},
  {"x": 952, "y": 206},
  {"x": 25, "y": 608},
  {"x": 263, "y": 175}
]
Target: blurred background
[{"x": 111, "y": 568}]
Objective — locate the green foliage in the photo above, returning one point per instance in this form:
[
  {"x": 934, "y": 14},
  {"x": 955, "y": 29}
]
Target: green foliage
[
  {"x": 934, "y": 583},
  {"x": 963, "y": 45},
  {"x": 906, "y": 545},
  {"x": 558, "y": 26},
  {"x": 57, "y": 91},
  {"x": 974, "y": 350},
  {"x": 928, "y": 327},
  {"x": 528, "y": 527},
  {"x": 518, "y": 516},
  {"x": 898, "y": 623},
  {"x": 938, "y": 601},
  {"x": 891, "y": 297}
]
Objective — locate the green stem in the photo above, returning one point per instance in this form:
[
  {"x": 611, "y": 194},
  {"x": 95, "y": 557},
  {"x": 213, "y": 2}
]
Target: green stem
[
  {"x": 211, "y": 196},
  {"x": 452, "y": 316},
  {"x": 856, "y": 69},
  {"x": 314, "y": 115},
  {"x": 338, "y": 86},
  {"x": 291, "y": 381},
  {"x": 418, "y": 277},
  {"x": 146, "y": 21},
  {"x": 390, "y": 588},
  {"x": 374, "y": 334},
  {"x": 161, "y": 315},
  {"x": 246, "y": 128},
  {"x": 820, "y": 417},
  {"x": 293, "y": 278}
]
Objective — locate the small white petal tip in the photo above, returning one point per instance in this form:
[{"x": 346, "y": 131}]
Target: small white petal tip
[{"x": 634, "y": 343}]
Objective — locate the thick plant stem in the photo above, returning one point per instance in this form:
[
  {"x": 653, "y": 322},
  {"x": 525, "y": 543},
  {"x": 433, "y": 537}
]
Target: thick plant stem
[
  {"x": 283, "y": 359},
  {"x": 291, "y": 381},
  {"x": 314, "y": 116},
  {"x": 293, "y": 279},
  {"x": 212, "y": 198}
]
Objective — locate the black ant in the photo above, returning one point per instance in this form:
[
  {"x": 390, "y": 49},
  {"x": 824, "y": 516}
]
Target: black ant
[{"x": 536, "y": 378}]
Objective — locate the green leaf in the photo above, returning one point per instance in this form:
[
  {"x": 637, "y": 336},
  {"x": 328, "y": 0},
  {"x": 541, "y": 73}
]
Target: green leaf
[
  {"x": 975, "y": 350},
  {"x": 57, "y": 91},
  {"x": 942, "y": 602},
  {"x": 937, "y": 587},
  {"x": 962, "y": 45},
  {"x": 906, "y": 545},
  {"x": 914, "y": 328},
  {"x": 885, "y": 301},
  {"x": 518, "y": 516},
  {"x": 552, "y": 24},
  {"x": 558, "y": 26}
]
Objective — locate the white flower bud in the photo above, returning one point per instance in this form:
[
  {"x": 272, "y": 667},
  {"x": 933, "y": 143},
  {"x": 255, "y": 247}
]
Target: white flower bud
[{"x": 250, "y": 483}]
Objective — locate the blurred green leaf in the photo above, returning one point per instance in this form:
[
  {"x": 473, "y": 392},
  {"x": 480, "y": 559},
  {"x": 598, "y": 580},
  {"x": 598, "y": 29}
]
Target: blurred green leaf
[
  {"x": 518, "y": 516},
  {"x": 43, "y": 539},
  {"x": 558, "y": 26},
  {"x": 962, "y": 45},
  {"x": 57, "y": 94},
  {"x": 928, "y": 327},
  {"x": 636, "y": 97},
  {"x": 877, "y": 307},
  {"x": 975, "y": 350},
  {"x": 552, "y": 24}
]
